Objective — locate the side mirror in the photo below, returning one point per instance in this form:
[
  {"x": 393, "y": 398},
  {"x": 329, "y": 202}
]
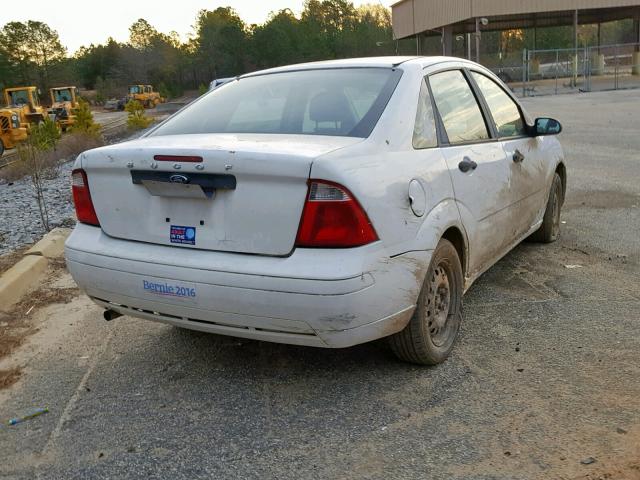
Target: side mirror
[{"x": 546, "y": 126}]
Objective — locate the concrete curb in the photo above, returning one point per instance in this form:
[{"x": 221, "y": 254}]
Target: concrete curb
[
  {"x": 20, "y": 278},
  {"x": 25, "y": 274},
  {"x": 51, "y": 245}
]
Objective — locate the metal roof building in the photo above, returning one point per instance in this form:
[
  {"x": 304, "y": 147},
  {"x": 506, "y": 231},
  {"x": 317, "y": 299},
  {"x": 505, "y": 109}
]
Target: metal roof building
[{"x": 414, "y": 18}]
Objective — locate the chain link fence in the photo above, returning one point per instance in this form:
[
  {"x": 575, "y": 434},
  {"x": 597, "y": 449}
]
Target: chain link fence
[{"x": 549, "y": 72}]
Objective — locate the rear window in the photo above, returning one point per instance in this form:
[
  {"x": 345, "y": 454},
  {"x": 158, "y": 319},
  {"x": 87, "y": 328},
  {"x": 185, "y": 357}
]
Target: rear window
[{"x": 343, "y": 102}]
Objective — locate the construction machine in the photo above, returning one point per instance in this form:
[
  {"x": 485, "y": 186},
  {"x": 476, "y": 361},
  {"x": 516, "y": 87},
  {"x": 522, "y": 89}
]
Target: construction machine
[
  {"x": 145, "y": 95},
  {"x": 11, "y": 132},
  {"x": 64, "y": 103},
  {"x": 26, "y": 102}
]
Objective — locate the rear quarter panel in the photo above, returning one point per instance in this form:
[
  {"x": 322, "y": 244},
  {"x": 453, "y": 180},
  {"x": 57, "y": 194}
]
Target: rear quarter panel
[{"x": 378, "y": 172}]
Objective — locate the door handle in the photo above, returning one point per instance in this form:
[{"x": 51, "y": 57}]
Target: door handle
[
  {"x": 467, "y": 164},
  {"x": 518, "y": 157}
]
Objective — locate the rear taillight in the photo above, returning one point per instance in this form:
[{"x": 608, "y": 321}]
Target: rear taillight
[
  {"x": 333, "y": 218},
  {"x": 82, "y": 198}
]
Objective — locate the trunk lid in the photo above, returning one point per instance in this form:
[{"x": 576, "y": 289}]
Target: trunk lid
[{"x": 246, "y": 195}]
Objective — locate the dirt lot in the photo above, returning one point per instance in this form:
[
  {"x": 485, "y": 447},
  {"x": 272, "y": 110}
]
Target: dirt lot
[{"x": 544, "y": 383}]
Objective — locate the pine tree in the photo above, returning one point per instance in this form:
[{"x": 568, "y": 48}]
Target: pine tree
[
  {"x": 84, "y": 120},
  {"x": 137, "y": 118}
]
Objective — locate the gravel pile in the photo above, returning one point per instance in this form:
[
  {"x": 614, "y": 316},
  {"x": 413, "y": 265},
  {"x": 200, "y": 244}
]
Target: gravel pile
[{"x": 20, "y": 222}]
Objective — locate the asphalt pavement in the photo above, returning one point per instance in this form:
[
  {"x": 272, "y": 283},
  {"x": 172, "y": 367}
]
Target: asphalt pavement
[{"x": 543, "y": 383}]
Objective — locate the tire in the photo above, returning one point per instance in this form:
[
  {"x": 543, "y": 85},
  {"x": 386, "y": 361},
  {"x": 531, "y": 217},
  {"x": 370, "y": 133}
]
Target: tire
[
  {"x": 549, "y": 231},
  {"x": 430, "y": 335},
  {"x": 1, "y": 148}
]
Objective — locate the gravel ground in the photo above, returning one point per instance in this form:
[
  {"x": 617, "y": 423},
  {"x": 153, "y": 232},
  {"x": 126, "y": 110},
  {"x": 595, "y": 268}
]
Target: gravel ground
[
  {"x": 543, "y": 383},
  {"x": 20, "y": 222}
]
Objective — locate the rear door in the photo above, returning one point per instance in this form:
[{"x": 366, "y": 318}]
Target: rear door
[
  {"x": 479, "y": 171},
  {"x": 522, "y": 151}
]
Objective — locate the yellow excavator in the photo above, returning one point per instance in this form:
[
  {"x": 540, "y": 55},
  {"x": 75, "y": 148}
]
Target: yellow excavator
[
  {"x": 11, "y": 132},
  {"x": 64, "y": 103},
  {"x": 145, "y": 95},
  {"x": 26, "y": 102}
]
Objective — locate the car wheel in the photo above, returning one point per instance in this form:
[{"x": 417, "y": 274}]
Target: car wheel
[
  {"x": 1, "y": 148},
  {"x": 549, "y": 231},
  {"x": 430, "y": 335}
]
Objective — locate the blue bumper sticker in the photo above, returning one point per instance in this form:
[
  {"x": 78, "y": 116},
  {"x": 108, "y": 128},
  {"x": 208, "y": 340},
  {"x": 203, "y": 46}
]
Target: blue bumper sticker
[
  {"x": 166, "y": 289},
  {"x": 183, "y": 235}
]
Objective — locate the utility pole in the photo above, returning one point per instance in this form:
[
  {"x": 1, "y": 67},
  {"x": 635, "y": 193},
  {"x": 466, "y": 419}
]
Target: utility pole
[
  {"x": 477, "y": 40},
  {"x": 478, "y": 34},
  {"x": 575, "y": 48}
]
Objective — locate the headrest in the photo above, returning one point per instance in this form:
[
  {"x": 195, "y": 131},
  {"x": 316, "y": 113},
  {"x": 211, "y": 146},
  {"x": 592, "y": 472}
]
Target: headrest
[{"x": 330, "y": 107}]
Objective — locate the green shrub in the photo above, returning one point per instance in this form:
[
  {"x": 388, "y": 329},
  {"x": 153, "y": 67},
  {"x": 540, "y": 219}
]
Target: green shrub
[
  {"x": 84, "y": 120},
  {"x": 45, "y": 135},
  {"x": 202, "y": 89},
  {"x": 137, "y": 118}
]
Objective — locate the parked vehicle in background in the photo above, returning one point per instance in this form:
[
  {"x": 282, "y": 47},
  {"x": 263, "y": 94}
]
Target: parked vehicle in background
[
  {"x": 325, "y": 204},
  {"x": 218, "y": 82},
  {"x": 145, "y": 95},
  {"x": 64, "y": 102},
  {"x": 115, "y": 104},
  {"x": 11, "y": 133},
  {"x": 26, "y": 101}
]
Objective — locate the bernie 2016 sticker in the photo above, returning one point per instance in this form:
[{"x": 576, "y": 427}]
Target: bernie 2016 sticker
[{"x": 183, "y": 235}]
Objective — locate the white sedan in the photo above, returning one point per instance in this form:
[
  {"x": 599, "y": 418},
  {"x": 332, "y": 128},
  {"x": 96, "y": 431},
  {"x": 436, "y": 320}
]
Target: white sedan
[{"x": 325, "y": 204}]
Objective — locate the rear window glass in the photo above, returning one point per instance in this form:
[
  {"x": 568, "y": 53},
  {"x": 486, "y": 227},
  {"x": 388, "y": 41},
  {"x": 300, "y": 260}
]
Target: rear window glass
[{"x": 341, "y": 102}]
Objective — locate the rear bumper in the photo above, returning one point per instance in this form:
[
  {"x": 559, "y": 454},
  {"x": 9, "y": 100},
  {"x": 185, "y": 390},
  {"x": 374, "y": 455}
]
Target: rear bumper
[{"x": 322, "y": 298}]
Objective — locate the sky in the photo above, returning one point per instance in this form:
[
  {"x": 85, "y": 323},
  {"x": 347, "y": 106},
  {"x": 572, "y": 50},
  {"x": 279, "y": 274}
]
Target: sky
[{"x": 84, "y": 22}]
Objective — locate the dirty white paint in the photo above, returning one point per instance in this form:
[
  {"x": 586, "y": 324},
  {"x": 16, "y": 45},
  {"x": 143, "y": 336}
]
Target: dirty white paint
[{"x": 244, "y": 276}]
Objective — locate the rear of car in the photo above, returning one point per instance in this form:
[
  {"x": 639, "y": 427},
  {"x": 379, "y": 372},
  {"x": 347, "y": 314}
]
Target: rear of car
[{"x": 215, "y": 222}]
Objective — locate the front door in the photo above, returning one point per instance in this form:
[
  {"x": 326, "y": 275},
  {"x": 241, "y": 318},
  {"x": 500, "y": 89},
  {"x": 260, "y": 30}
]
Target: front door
[{"x": 522, "y": 151}]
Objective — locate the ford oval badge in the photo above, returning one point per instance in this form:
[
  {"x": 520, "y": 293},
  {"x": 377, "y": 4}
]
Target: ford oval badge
[{"x": 178, "y": 179}]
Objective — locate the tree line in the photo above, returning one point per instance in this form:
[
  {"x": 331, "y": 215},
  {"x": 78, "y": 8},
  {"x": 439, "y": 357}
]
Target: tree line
[{"x": 221, "y": 45}]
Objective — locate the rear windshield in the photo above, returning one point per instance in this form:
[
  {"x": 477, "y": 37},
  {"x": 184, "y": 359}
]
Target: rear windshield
[{"x": 343, "y": 102}]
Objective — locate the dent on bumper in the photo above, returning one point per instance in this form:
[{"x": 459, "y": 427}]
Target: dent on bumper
[{"x": 373, "y": 301}]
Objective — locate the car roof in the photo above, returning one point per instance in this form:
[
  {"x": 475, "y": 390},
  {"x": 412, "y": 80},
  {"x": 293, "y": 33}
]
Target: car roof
[{"x": 380, "y": 62}]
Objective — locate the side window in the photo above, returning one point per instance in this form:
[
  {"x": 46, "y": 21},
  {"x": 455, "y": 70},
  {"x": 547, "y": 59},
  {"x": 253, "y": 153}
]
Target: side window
[
  {"x": 424, "y": 131},
  {"x": 505, "y": 112},
  {"x": 458, "y": 108}
]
